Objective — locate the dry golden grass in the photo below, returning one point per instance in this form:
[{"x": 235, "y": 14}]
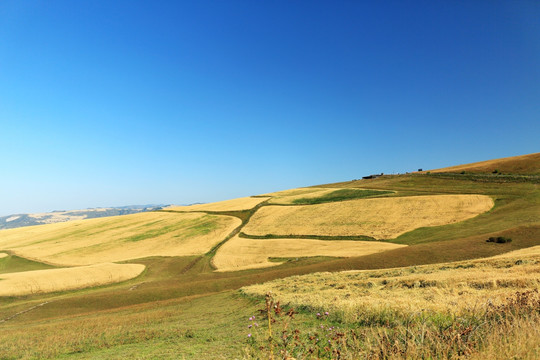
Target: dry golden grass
[
  {"x": 444, "y": 288},
  {"x": 241, "y": 254},
  {"x": 44, "y": 281},
  {"x": 3, "y": 255},
  {"x": 530, "y": 252},
  {"x": 244, "y": 203},
  {"x": 381, "y": 218},
  {"x": 119, "y": 238},
  {"x": 523, "y": 164}
]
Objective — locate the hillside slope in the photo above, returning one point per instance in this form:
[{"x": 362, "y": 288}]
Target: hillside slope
[
  {"x": 179, "y": 306},
  {"x": 523, "y": 164}
]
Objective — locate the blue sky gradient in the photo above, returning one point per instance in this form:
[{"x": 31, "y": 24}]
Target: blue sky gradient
[{"x": 109, "y": 103}]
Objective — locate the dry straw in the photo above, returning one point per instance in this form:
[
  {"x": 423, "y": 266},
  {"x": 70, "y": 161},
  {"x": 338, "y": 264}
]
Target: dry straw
[
  {"x": 381, "y": 218},
  {"x": 44, "y": 281}
]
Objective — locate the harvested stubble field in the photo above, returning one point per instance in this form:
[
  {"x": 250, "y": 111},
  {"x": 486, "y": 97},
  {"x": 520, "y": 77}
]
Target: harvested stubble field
[
  {"x": 244, "y": 203},
  {"x": 119, "y": 238},
  {"x": 381, "y": 218},
  {"x": 54, "y": 280},
  {"x": 241, "y": 253},
  {"x": 448, "y": 288}
]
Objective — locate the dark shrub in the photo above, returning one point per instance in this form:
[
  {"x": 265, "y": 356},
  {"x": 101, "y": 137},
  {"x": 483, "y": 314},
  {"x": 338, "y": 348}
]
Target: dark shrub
[
  {"x": 499, "y": 240},
  {"x": 502, "y": 240}
]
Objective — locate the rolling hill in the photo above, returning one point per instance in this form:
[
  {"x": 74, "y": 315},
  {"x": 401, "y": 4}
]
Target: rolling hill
[{"x": 165, "y": 284}]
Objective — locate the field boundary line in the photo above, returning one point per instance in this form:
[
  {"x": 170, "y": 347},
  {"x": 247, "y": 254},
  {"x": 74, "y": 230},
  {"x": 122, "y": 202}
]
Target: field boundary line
[{"x": 24, "y": 311}]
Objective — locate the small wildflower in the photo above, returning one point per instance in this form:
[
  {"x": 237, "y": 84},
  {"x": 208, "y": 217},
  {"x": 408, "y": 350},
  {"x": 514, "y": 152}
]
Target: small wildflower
[
  {"x": 256, "y": 324},
  {"x": 249, "y": 326},
  {"x": 251, "y": 318},
  {"x": 326, "y": 313},
  {"x": 249, "y": 335},
  {"x": 318, "y": 314}
]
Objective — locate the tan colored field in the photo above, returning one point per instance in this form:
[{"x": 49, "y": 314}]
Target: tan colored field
[
  {"x": 450, "y": 287},
  {"x": 244, "y": 203},
  {"x": 523, "y": 164},
  {"x": 3, "y": 255},
  {"x": 381, "y": 218},
  {"x": 119, "y": 238},
  {"x": 294, "y": 195},
  {"x": 531, "y": 252},
  {"x": 44, "y": 281},
  {"x": 241, "y": 254}
]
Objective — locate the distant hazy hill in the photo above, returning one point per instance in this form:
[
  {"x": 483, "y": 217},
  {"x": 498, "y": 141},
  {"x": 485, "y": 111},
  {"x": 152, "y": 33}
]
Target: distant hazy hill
[
  {"x": 523, "y": 164},
  {"x": 19, "y": 220}
]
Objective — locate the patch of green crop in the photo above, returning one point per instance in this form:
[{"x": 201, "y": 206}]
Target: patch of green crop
[
  {"x": 340, "y": 195},
  {"x": 12, "y": 263}
]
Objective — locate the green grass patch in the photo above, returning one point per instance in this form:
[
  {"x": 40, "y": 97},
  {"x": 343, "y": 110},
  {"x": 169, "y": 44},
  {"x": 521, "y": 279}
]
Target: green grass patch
[
  {"x": 340, "y": 195},
  {"x": 13, "y": 263}
]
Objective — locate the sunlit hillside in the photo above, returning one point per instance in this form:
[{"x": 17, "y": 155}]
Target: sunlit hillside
[
  {"x": 524, "y": 164},
  {"x": 414, "y": 251}
]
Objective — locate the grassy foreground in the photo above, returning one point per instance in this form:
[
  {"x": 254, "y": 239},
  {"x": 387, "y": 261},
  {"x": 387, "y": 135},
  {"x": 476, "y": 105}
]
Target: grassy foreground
[{"x": 181, "y": 308}]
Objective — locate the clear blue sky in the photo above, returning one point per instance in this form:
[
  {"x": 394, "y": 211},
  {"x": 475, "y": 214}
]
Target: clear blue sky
[{"x": 106, "y": 103}]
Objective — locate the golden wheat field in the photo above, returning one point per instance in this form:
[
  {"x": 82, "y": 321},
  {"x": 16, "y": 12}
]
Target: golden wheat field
[
  {"x": 3, "y": 255},
  {"x": 241, "y": 254},
  {"x": 119, "y": 238},
  {"x": 244, "y": 203},
  {"x": 448, "y": 288},
  {"x": 381, "y": 218},
  {"x": 52, "y": 280}
]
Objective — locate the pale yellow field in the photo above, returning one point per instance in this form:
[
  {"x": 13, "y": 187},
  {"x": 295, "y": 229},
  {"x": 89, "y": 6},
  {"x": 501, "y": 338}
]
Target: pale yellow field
[
  {"x": 3, "y": 255},
  {"x": 244, "y": 203},
  {"x": 521, "y": 253},
  {"x": 291, "y": 197},
  {"x": 451, "y": 287},
  {"x": 119, "y": 238},
  {"x": 381, "y": 218},
  {"x": 44, "y": 281},
  {"x": 241, "y": 254}
]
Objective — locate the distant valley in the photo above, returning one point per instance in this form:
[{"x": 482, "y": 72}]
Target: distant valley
[{"x": 20, "y": 220}]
